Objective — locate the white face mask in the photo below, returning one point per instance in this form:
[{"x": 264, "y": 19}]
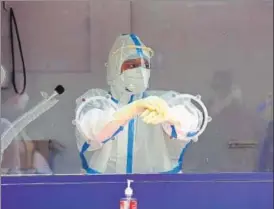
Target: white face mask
[{"x": 136, "y": 80}]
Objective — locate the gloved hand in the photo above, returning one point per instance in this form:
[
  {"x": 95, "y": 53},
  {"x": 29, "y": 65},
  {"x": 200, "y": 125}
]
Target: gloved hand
[
  {"x": 156, "y": 110},
  {"x": 153, "y": 110},
  {"x": 152, "y": 117}
]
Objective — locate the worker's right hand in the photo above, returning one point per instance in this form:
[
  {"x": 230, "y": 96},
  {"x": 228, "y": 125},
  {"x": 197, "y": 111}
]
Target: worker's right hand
[{"x": 154, "y": 110}]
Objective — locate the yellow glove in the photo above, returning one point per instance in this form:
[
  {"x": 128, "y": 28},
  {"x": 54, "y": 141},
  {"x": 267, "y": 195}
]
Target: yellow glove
[
  {"x": 152, "y": 117},
  {"x": 157, "y": 110},
  {"x": 153, "y": 110}
]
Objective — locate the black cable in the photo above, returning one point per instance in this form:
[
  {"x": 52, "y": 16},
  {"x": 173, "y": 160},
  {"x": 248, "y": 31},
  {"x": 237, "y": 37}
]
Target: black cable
[{"x": 13, "y": 20}]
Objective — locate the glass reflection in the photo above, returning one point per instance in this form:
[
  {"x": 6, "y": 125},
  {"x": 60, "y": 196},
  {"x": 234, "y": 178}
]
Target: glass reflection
[
  {"x": 235, "y": 133},
  {"x": 19, "y": 153},
  {"x": 107, "y": 121}
]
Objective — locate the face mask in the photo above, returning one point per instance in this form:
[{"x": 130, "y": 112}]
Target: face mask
[{"x": 136, "y": 80}]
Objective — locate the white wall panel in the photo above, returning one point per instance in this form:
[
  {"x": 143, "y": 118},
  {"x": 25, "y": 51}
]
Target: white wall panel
[
  {"x": 55, "y": 35},
  {"x": 108, "y": 20},
  {"x": 194, "y": 39}
]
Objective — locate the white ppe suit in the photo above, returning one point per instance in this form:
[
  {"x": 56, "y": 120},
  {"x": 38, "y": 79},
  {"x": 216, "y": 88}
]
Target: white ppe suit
[{"x": 135, "y": 147}]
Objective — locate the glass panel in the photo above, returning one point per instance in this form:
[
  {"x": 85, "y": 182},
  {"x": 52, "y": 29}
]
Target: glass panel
[{"x": 149, "y": 87}]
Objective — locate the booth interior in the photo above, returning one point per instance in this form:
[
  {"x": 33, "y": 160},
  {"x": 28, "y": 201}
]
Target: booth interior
[{"x": 176, "y": 95}]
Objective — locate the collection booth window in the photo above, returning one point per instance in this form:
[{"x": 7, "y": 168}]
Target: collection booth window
[
  {"x": 146, "y": 87},
  {"x": 142, "y": 90}
]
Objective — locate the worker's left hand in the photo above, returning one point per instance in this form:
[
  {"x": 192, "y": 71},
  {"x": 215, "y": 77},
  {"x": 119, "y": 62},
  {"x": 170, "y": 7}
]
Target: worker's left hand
[
  {"x": 152, "y": 117},
  {"x": 156, "y": 110}
]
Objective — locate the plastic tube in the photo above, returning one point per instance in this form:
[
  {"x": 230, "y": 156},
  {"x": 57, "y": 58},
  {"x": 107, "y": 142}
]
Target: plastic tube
[{"x": 20, "y": 123}]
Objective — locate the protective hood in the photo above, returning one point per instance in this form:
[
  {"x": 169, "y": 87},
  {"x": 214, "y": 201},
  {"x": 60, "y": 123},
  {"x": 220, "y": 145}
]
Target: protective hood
[{"x": 133, "y": 81}]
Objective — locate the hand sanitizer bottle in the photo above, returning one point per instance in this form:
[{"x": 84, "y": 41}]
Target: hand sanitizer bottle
[{"x": 128, "y": 202}]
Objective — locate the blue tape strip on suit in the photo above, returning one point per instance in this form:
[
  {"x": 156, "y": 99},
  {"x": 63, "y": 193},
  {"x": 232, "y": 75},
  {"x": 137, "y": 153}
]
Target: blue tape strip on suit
[
  {"x": 179, "y": 166},
  {"x": 85, "y": 148},
  {"x": 129, "y": 160},
  {"x": 137, "y": 43},
  {"x": 130, "y": 143},
  {"x": 131, "y": 131}
]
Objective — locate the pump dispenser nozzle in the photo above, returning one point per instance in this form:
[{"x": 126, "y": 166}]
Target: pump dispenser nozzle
[{"x": 128, "y": 190}]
